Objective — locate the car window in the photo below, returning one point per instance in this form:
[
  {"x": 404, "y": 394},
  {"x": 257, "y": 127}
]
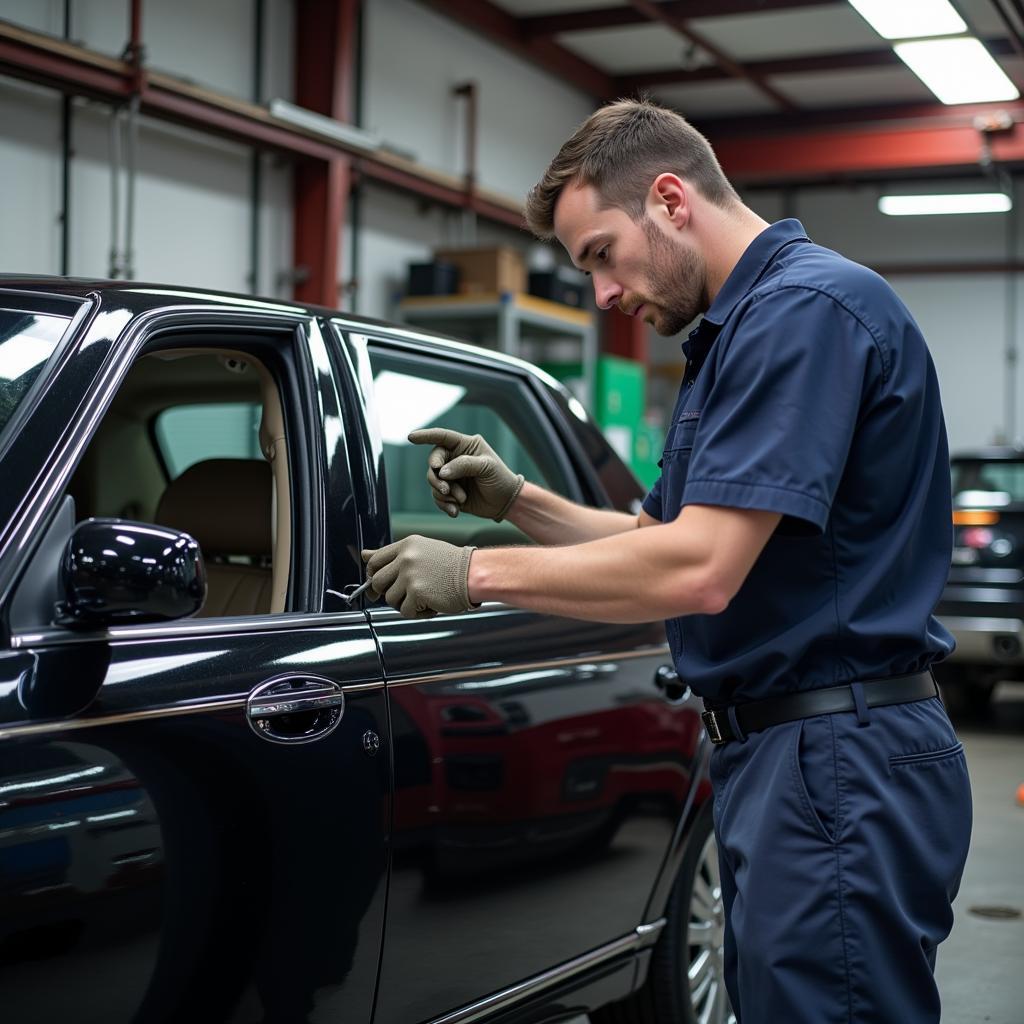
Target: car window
[
  {"x": 187, "y": 434},
  {"x": 164, "y": 455},
  {"x": 27, "y": 340},
  {"x": 979, "y": 481},
  {"x": 411, "y": 393}
]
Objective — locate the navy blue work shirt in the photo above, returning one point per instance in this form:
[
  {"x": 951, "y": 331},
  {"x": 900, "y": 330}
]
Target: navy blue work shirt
[{"x": 809, "y": 391}]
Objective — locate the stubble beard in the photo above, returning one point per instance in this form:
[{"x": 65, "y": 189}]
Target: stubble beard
[{"x": 678, "y": 277}]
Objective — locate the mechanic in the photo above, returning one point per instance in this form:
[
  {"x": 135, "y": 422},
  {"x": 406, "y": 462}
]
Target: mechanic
[{"x": 796, "y": 544}]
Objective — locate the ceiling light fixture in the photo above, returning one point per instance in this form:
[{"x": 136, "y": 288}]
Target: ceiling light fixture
[
  {"x": 969, "y": 202},
  {"x": 910, "y": 19},
  {"x": 957, "y": 70}
]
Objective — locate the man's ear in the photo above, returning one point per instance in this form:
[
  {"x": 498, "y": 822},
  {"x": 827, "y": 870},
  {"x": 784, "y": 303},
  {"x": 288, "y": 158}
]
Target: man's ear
[{"x": 669, "y": 199}]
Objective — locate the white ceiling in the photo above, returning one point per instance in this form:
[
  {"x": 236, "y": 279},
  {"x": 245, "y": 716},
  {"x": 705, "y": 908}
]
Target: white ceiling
[{"x": 798, "y": 32}]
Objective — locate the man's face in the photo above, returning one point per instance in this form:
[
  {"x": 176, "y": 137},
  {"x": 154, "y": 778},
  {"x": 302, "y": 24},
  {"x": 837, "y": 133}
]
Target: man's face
[{"x": 640, "y": 268}]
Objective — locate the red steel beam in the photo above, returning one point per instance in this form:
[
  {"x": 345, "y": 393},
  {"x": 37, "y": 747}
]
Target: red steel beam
[
  {"x": 325, "y": 33},
  {"x": 854, "y": 150},
  {"x": 489, "y": 20},
  {"x": 539, "y": 25}
]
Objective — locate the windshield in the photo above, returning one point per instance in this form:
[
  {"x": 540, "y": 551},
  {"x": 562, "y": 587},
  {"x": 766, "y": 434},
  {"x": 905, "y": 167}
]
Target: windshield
[
  {"x": 990, "y": 483},
  {"x": 27, "y": 340}
]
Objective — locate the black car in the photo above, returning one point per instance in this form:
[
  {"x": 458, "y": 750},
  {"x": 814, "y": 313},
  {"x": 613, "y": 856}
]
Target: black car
[
  {"x": 227, "y": 793},
  {"x": 983, "y": 602}
]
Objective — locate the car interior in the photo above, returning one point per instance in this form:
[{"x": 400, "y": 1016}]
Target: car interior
[{"x": 195, "y": 440}]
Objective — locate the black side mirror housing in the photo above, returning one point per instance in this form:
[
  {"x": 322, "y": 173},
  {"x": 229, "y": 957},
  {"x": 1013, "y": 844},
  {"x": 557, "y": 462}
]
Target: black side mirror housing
[{"x": 118, "y": 572}]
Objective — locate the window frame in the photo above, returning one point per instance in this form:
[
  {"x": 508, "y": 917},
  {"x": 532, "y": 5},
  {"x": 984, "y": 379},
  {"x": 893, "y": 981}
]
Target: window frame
[{"x": 205, "y": 326}]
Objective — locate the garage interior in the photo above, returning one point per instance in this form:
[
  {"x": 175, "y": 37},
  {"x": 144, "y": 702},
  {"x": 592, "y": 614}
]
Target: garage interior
[{"x": 373, "y": 156}]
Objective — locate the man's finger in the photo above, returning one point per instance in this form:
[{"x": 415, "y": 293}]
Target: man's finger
[
  {"x": 383, "y": 578},
  {"x": 395, "y": 595},
  {"x": 436, "y": 482},
  {"x": 437, "y": 436},
  {"x": 376, "y": 560},
  {"x": 437, "y": 458},
  {"x": 465, "y": 466},
  {"x": 412, "y": 608},
  {"x": 445, "y": 504}
]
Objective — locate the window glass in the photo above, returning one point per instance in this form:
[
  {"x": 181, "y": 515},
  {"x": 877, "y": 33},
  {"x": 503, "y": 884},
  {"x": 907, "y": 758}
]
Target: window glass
[
  {"x": 27, "y": 340},
  {"x": 411, "y": 394},
  {"x": 188, "y": 434}
]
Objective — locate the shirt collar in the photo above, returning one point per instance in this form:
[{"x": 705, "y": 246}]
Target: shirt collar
[{"x": 752, "y": 264}]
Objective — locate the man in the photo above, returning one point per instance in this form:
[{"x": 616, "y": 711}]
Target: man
[{"x": 796, "y": 544}]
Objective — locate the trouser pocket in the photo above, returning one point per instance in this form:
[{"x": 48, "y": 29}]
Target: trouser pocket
[{"x": 815, "y": 762}]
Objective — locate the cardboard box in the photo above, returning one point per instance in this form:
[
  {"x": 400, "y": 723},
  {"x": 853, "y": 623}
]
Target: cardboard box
[{"x": 487, "y": 271}]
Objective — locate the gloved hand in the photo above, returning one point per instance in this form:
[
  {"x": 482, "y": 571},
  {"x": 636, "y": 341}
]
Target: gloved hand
[
  {"x": 421, "y": 577},
  {"x": 486, "y": 486}
]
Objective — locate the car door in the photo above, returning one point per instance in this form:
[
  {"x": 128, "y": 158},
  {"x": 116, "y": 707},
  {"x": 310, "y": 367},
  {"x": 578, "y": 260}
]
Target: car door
[
  {"x": 179, "y": 839},
  {"x": 539, "y": 770}
]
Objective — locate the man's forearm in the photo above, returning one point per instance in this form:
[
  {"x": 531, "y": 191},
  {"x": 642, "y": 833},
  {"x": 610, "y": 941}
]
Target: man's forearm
[
  {"x": 650, "y": 574},
  {"x": 549, "y": 518}
]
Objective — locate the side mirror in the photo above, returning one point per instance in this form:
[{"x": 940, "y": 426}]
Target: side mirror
[{"x": 119, "y": 572}]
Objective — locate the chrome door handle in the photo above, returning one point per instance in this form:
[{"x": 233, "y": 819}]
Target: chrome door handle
[
  {"x": 666, "y": 679},
  {"x": 295, "y": 708},
  {"x": 311, "y": 700}
]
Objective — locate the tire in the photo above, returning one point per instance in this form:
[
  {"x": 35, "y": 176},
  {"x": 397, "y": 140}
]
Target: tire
[{"x": 681, "y": 957}]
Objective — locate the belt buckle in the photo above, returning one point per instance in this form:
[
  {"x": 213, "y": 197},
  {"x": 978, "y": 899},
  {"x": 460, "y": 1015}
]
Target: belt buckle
[{"x": 711, "y": 724}]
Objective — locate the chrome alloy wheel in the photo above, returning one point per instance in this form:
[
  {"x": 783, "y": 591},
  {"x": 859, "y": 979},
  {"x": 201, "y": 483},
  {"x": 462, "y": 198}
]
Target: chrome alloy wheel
[{"x": 706, "y": 942}]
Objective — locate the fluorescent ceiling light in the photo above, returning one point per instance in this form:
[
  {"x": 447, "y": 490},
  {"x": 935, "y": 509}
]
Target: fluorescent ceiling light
[
  {"x": 319, "y": 124},
  {"x": 957, "y": 70},
  {"x": 970, "y": 202},
  {"x": 910, "y": 19}
]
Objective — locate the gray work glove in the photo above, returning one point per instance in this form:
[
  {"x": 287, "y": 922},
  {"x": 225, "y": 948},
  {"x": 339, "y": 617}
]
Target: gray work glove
[
  {"x": 421, "y": 577},
  {"x": 485, "y": 486}
]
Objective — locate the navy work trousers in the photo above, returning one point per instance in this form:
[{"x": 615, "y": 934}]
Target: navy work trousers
[{"x": 841, "y": 845}]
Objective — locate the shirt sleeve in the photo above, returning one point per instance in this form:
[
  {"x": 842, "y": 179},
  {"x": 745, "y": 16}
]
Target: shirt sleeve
[
  {"x": 776, "y": 428},
  {"x": 652, "y": 503}
]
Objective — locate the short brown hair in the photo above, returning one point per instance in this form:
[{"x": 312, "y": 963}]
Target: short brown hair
[{"x": 619, "y": 150}]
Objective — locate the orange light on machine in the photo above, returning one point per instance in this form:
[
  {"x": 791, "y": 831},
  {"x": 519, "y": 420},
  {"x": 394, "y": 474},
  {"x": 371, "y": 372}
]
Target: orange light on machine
[{"x": 975, "y": 517}]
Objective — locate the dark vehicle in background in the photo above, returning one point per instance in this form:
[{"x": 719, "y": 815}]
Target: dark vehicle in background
[
  {"x": 983, "y": 602},
  {"x": 228, "y": 794}
]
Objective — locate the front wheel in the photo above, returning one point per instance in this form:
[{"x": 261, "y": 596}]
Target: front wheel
[{"x": 686, "y": 981}]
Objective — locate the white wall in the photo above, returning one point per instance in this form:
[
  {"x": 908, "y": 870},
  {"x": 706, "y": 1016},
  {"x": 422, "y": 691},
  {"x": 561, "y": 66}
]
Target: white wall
[
  {"x": 967, "y": 319},
  {"x": 193, "y": 192}
]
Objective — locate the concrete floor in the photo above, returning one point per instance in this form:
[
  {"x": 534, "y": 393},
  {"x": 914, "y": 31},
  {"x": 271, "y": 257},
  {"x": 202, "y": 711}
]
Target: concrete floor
[{"x": 981, "y": 966}]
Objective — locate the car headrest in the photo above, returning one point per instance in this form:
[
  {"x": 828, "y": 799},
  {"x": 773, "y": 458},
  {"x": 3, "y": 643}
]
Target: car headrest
[{"x": 224, "y": 503}]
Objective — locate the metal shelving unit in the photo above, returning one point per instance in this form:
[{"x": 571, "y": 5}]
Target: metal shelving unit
[{"x": 505, "y": 322}]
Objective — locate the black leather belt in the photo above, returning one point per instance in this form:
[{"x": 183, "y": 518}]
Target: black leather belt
[{"x": 760, "y": 714}]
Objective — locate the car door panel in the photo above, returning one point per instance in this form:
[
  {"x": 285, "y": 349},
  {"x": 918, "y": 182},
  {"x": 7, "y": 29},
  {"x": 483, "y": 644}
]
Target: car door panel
[
  {"x": 163, "y": 857},
  {"x": 540, "y": 775}
]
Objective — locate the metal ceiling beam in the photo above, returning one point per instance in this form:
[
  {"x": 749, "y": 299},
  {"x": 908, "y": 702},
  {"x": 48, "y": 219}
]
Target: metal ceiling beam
[
  {"x": 858, "y": 150},
  {"x": 851, "y": 60},
  {"x": 75, "y": 71},
  {"x": 541, "y": 25},
  {"x": 487, "y": 19},
  {"x": 681, "y": 26}
]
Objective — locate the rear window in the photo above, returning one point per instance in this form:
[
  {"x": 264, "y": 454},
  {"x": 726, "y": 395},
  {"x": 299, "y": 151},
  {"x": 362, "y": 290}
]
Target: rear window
[
  {"x": 27, "y": 341},
  {"x": 188, "y": 434},
  {"x": 979, "y": 482}
]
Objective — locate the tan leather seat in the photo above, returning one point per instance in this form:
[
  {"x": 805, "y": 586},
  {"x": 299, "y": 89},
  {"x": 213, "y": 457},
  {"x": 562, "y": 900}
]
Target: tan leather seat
[{"x": 225, "y": 504}]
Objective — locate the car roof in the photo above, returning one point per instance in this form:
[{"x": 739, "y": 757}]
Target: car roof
[{"x": 140, "y": 296}]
